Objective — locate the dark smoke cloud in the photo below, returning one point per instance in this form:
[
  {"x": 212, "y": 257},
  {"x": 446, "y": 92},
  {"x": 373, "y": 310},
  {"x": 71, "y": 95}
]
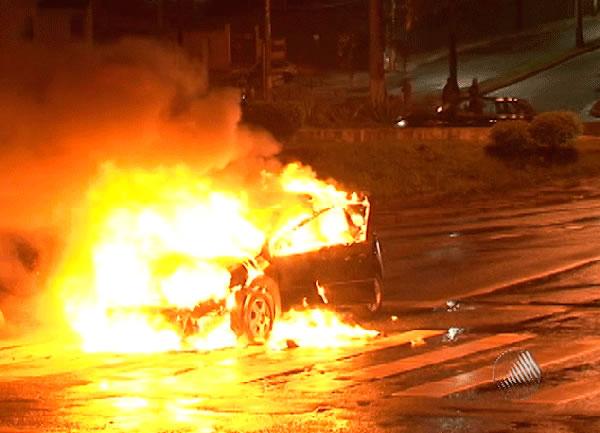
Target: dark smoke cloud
[{"x": 63, "y": 113}]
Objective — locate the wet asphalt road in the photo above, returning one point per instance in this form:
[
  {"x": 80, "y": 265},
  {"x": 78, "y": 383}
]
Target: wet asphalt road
[
  {"x": 573, "y": 86},
  {"x": 524, "y": 272}
]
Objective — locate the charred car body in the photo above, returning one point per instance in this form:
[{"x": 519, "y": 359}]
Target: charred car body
[{"x": 261, "y": 287}]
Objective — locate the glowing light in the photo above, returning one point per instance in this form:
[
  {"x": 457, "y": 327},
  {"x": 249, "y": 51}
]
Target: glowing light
[{"x": 321, "y": 291}]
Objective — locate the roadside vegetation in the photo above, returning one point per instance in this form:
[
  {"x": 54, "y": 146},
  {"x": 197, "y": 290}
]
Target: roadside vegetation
[
  {"x": 420, "y": 169},
  {"x": 285, "y": 116},
  {"x": 548, "y": 139}
]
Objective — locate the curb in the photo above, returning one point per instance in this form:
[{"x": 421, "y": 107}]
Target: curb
[{"x": 373, "y": 134}]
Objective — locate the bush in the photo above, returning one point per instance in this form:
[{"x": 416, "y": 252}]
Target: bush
[
  {"x": 327, "y": 114},
  {"x": 555, "y": 129},
  {"x": 511, "y": 137},
  {"x": 282, "y": 119},
  {"x": 388, "y": 111}
]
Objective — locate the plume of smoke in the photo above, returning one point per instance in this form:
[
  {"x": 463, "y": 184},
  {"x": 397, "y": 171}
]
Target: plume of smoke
[{"x": 137, "y": 102}]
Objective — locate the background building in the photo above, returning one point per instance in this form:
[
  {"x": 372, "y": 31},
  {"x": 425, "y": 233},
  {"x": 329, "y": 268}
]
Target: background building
[{"x": 52, "y": 22}]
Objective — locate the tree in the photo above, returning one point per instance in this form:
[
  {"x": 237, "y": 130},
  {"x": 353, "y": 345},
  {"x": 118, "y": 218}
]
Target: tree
[
  {"x": 579, "y": 42},
  {"x": 376, "y": 53},
  {"x": 400, "y": 18}
]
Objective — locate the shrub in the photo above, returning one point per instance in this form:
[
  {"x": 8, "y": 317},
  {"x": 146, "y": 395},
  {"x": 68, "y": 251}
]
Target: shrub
[
  {"x": 326, "y": 113},
  {"x": 511, "y": 138},
  {"x": 388, "y": 111},
  {"x": 280, "y": 119},
  {"x": 555, "y": 129},
  {"x": 354, "y": 111}
]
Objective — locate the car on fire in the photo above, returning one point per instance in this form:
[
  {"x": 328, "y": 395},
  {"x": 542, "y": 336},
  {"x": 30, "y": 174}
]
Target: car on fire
[{"x": 352, "y": 273}]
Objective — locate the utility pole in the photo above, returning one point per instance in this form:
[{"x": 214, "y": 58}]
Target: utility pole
[
  {"x": 376, "y": 70},
  {"x": 267, "y": 45},
  {"x": 579, "y": 42},
  {"x": 452, "y": 51}
]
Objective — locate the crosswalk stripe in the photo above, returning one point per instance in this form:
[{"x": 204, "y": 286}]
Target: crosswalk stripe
[
  {"x": 302, "y": 358},
  {"x": 547, "y": 358},
  {"x": 440, "y": 356},
  {"x": 568, "y": 392}
]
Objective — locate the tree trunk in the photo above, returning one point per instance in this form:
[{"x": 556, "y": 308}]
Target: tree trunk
[
  {"x": 452, "y": 50},
  {"x": 267, "y": 79},
  {"x": 376, "y": 70},
  {"x": 595, "y": 7},
  {"x": 519, "y": 22},
  {"x": 579, "y": 42}
]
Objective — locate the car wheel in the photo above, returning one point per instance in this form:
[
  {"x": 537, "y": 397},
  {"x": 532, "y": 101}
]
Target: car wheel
[
  {"x": 375, "y": 305},
  {"x": 258, "y": 309}
]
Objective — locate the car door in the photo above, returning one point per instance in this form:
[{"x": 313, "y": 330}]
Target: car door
[{"x": 330, "y": 264}]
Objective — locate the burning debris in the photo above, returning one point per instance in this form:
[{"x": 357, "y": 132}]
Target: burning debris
[{"x": 321, "y": 292}]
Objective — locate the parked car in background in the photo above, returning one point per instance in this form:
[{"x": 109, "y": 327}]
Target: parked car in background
[{"x": 495, "y": 109}]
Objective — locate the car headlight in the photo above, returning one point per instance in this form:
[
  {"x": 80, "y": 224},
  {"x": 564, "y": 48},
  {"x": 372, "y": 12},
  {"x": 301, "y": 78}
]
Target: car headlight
[{"x": 401, "y": 123}]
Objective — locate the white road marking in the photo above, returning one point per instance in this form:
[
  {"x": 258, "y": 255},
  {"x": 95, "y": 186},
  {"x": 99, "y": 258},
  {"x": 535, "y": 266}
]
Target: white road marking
[
  {"x": 547, "y": 358},
  {"x": 439, "y": 356},
  {"x": 567, "y": 392}
]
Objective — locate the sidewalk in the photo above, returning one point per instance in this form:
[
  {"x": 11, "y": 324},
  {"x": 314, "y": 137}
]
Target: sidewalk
[{"x": 506, "y": 60}]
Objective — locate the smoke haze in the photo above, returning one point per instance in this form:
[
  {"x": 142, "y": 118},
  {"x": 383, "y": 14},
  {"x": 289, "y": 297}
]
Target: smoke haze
[{"x": 65, "y": 113}]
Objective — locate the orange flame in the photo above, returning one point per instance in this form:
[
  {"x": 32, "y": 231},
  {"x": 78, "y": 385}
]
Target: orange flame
[{"x": 155, "y": 244}]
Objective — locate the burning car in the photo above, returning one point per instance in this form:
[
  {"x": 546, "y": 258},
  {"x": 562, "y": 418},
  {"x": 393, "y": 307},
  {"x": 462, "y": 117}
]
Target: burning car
[
  {"x": 283, "y": 276},
  {"x": 170, "y": 259}
]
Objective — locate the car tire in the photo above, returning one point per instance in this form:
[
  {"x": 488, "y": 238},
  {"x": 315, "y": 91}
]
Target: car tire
[
  {"x": 259, "y": 306},
  {"x": 375, "y": 305}
]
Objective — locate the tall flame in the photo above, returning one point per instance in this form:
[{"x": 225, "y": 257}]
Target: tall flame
[{"x": 155, "y": 243}]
